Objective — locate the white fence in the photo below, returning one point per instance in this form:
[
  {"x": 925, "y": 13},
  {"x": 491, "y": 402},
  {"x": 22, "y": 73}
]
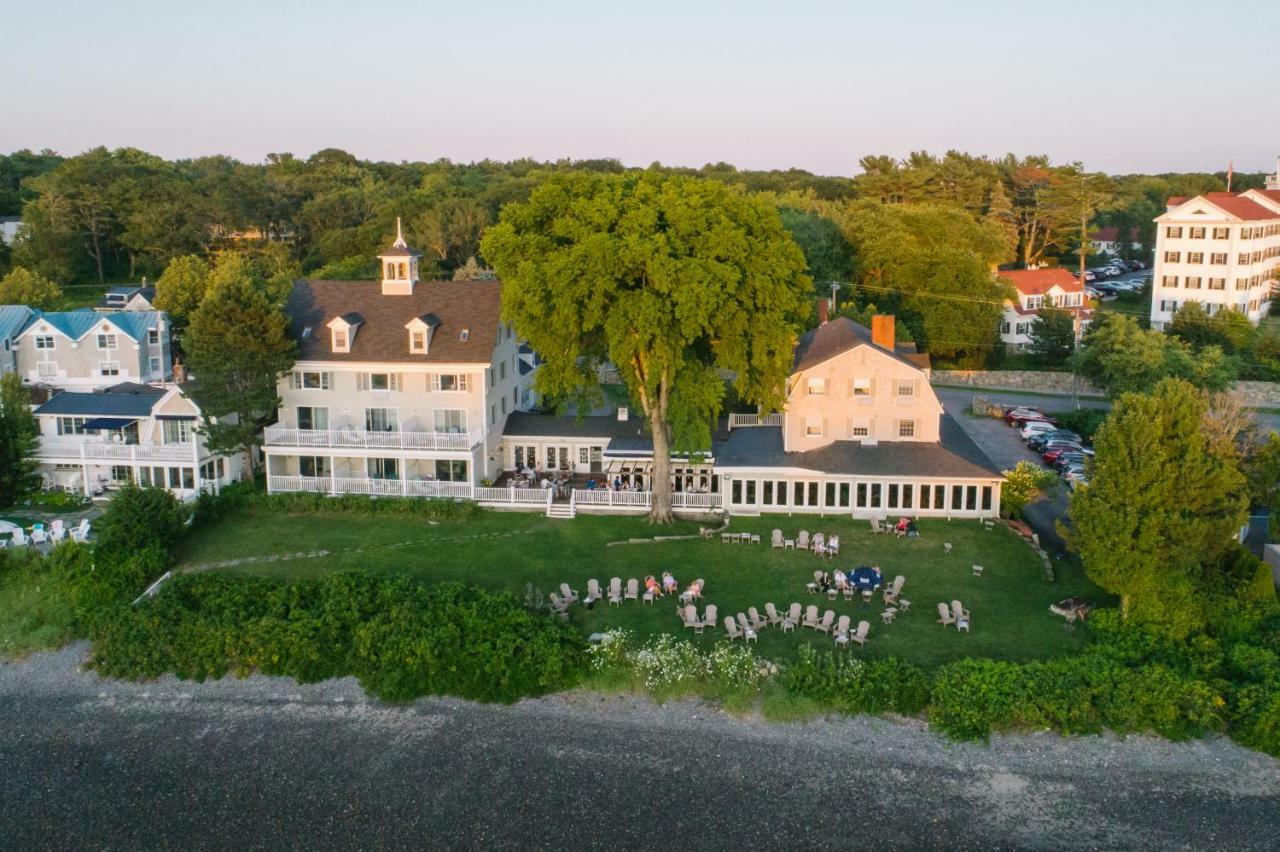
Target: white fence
[
  {"x": 635, "y": 502},
  {"x": 740, "y": 421},
  {"x": 89, "y": 451}
]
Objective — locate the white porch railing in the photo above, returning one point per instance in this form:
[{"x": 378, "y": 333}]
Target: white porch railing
[
  {"x": 741, "y": 421},
  {"x": 279, "y": 436},
  {"x": 88, "y": 451},
  {"x": 622, "y": 501}
]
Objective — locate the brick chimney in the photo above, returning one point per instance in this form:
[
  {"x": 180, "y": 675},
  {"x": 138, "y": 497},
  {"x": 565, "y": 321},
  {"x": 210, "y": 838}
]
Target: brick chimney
[
  {"x": 882, "y": 331},
  {"x": 822, "y": 312}
]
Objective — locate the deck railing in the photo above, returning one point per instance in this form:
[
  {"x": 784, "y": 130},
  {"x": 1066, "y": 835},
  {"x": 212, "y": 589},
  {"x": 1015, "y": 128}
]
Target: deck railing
[
  {"x": 280, "y": 436},
  {"x": 740, "y": 421},
  {"x": 90, "y": 451}
]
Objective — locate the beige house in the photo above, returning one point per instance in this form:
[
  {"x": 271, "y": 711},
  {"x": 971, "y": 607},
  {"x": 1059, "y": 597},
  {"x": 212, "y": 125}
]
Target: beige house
[
  {"x": 862, "y": 433},
  {"x": 83, "y": 350},
  {"x": 402, "y": 386},
  {"x": 146, "y": 434}
]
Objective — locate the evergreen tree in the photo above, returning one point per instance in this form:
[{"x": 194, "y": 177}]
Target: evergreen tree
[
  {"x": 181, "y": 287},
  {"x": 237, "y": 348},
  {"x": 1053, "y": 336},
  {"x": 19, "y": 433},
  {"x": 1160, "y": 508}
]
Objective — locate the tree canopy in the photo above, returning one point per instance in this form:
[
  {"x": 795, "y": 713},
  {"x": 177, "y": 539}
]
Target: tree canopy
[
  {"x": 24, "y": 287},
  {"x": 1122, "y": 357},
  {"x": 1160, "y": 508},
  {"x": 674, "y": 280},
  {"x": 19, "y": 472},
  {"x": 1052, "y": 337}
]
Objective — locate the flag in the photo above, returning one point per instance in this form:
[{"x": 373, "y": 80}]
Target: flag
[{"x": 1231, "y": 170}]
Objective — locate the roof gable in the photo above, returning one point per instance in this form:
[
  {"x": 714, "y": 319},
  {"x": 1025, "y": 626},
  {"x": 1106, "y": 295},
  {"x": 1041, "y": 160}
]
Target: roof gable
[
  {"x": 1219, "y": 206},
  {"x": 842, "y": 335},
  {"x": 76, "y": 324},
  {"x": 1037, "y": 282}
]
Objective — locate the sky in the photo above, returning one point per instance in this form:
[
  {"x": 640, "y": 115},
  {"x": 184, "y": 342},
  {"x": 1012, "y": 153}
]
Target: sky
[{"x": 1119, "y": 86}]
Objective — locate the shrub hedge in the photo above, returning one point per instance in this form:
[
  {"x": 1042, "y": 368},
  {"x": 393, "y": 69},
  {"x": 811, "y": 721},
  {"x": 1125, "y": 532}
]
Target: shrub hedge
[
  {"x": 852, "y": 685},
  {"x": 248, "y": 496},
  {"x": 399, "y": 638}
]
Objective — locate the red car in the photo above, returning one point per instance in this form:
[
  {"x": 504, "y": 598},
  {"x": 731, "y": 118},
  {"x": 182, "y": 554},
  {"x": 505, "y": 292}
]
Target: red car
[
  {"x": 1018, "y": 416},
  {"x": 1051, "y": 455}
]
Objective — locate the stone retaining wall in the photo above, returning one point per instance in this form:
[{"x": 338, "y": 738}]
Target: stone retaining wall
[{"x": 1256, "y": 394}]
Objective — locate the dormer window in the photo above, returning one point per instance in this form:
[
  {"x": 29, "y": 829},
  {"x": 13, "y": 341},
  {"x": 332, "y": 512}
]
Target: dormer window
[
  {"x": 340, "y": 341},
  {"x": 420, "y": 331},
  {"x": 418, "y": 342},
  {"x": 342, "y": 331},
  {"x": 465, "y": 335}
]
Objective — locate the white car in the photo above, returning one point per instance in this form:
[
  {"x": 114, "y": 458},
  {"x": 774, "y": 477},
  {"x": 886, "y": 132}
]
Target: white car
[{"x": 1034, "y": 427}]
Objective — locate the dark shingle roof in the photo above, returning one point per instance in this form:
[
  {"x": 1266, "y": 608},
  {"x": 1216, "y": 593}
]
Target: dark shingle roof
[
  {"x": 123, "y": 400},
  {"x": 840, "y": 335},
  {"x": 955, "y": 455},
  {"x": 472, "y": 305},
  {"x": 521, "y": 424}
]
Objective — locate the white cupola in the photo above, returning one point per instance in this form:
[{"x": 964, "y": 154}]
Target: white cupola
[{"x": 399, "y": 267}]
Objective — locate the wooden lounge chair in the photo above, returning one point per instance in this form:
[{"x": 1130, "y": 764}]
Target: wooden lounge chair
[
  {"x": 828, "y": 618},
  {"x": 771, "y": 612},
  {"x": 593, "y": 590},
  {"x": 946, "y": 547},
  {"x": 888, "y": 615},
  {"x": 810, "y": 617},
  {"x": 615, "y": 591},
  {"x": 633, "y": 590},
  {"x": 861, "y": 636},
  {"x": 776, "y": 540},
  {"x": 38, "y": 534},
  {"x": 19, "y": 538},
  {"x": 945, "y": 618},
  {"x": 876, "y": 527},
  {"x": 731, "y": 628},
  {"x": 709, "y": 617},
  {"x": 558, "y": 604},
  {"x": 755, "y": 539},
  {"x": 842, "y": 629},
  {"x": 793, "y": 612},
  {"x": 891, "y": 593},
  {"x": 848, "y": 593},
  {"x": 569, "y": 594},
  {"x": 726, "y": 538},
  {"x": 957, "y": 610},
  {"x": 977, "y": 570},
  {"x": 748, "y": 632},
  {"x": 802, "y": 540},
  {"x": 819, "y": 543},
  {"x": 757, "y": 621},
  {"x": 691, "y": 618},
  {"x": 833, "y": 546}
]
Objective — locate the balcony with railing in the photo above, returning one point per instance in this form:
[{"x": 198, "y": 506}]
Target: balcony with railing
[
  {"x": 743, "y": 421},
  {"x": 359, "y": 439},
  {"x": 108, "y": 451}
]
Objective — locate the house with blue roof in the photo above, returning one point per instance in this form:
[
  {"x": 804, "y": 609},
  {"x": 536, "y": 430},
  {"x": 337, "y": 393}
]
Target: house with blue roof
[
  {"x": 85, "y": 349},
  {"x": 128, "y": 432}
]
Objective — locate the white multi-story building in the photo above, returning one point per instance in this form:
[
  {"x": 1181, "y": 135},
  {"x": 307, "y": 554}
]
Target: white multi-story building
[
  {"x": 1220, "y": 249},
  {"x": 1037, "y": 289},
  {"x": 401, "y": 386},
  {"x": 146, "y": 434},
  {"x": 83, "y": 350}
]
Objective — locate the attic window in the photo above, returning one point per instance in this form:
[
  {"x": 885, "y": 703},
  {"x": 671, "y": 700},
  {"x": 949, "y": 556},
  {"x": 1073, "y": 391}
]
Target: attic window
[
  {"x": 464, "y": 335},
  {"x": 339, "y": 340},
  {"x": 418, "y": 341}
]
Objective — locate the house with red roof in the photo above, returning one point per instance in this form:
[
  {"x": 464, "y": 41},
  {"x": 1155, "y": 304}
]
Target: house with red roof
[
  {"x": 1221, "y": 249},
  {"x": 1107, "y": 240},
  {"x": 1036, "y": 289}
]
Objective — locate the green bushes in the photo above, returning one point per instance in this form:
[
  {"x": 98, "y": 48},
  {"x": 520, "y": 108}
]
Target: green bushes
[
  {"x": 246, "y": 496},
  {"x": 1083, "y": 421},
  {"x": 666, "y": 666},
  {"x": 400, "y": 639},
  {"x": 852, "y": 685},
  {"x": 93, "y": 583},
  {"x": 140, "y": 518}
]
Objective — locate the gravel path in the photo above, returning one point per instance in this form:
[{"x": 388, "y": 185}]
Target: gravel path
[{"x": 268, "y": 763}]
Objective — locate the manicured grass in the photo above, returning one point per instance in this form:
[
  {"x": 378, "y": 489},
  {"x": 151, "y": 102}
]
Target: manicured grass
[
  {"x": 33, "y": 615},
  {"x": 1009, "y": 602}
]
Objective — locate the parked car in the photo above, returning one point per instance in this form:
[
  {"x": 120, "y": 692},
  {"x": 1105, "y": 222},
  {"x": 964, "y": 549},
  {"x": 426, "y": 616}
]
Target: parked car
[
  {"x": 1071, "y": 470},
  {"x": 1135, "y": 265},
  {"x": 1036, "y": 427},
  {"x": 1038, "y": 442},
  {"x": 1019, "y": 416},
  {"x": 1075, "y": 480},
  {"x": 1070, "y": 458},
  {"x": 1051, "y": 454},
  {"x": 1090, "y": 275}
]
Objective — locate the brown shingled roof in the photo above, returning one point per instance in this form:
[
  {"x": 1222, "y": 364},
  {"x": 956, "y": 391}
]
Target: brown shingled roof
[
  {"x": 382, "y": 336},
  {"x": 840, "y": 335}
]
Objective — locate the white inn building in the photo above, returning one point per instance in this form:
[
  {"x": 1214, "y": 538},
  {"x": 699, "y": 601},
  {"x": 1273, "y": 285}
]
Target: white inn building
[
  {"x": 1036, "y": 289},
  {"x": 1220, "y": 249}
]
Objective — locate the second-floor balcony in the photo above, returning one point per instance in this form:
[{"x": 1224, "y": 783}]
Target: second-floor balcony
[
  {"x": 393, "y": 439},
  {"x": 116, "y": 451}
]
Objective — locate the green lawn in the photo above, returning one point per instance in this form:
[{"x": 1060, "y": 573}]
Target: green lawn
[
  {"x": 33, "y": 616},
  {"x": 507, "y": 550}
]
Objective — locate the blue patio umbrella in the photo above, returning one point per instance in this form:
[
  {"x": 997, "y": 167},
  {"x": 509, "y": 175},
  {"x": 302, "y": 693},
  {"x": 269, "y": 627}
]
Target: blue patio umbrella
[{"x": 865, "y": 577}]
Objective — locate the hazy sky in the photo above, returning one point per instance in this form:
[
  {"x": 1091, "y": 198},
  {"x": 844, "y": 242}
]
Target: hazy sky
[{"x": 1122, "y": 86}]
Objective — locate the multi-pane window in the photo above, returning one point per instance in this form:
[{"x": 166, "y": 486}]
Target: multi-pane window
[
  {"x": 71, "y": 426},
  {"x": 906, "y": 428},
  {"x": 1193, "y": 282},
  {"x": 813, "y": 426},
  {"x": 859, "y": 431},
  {"x": 1221, "y": 233},
  {"x": 502, "y": 370},
  {"x": 310, "y": 380},
  {"x": 153, "y": 336},
  {"x": 109, "y": 368},
  {"x": 1217, "y": 283},
  {"x": 381, "y": 420},
  {"x": 862, "y": 387},
  {"x": 1242, "y": 283},
  {"x": 451, "y": 382},
  {"x": 313, "y": 466},
  {"x": 1195, "y": 257},
  {"x": 44, "y": 341},
  {"x": 1174, "y": 231},
  {"x": 378, "y": 381},
  {"x": 1218, "y": 258},
  {"x": 417, "y": 341},
  {"x": 106, "y": 341},
  {"x": 339, "y": 341},
  {"x": 1244, "y": 257},
  {"x": 177, "y": 431},
  {"x": 1172, "y": 257},
  {"x": 906, "y": 387},
  {"x": 1169, "y": 281},
  {"x": 1197, "y": 233},
  {"x": 448, "y": 470},
  {"x": 450, "y": 420},
  {"x": 47, "y": 370},
  {"x": 817, "y": 387}
]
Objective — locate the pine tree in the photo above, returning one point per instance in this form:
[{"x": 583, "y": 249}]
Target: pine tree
[
  {"x": 19, "y": 433},
  {"x": 1052, "y": 337},
  {"x": 237, "y": 348}
]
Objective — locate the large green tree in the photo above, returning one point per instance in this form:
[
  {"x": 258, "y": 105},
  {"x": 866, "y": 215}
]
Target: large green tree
[
  {"x": 19, "y": 433},
  {"x": 182, "y": 287},
  {"x": 1160, "y": 507},
  {"x": 676, "y": 281},
  {"x": 237, "y": 349},
  {"x": 1052, "y": 336},
  {"x": 24, "y": 287},
  {"x": 1121, "y": 357}
]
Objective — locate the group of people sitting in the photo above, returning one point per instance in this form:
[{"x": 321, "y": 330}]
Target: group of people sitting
[
  {"x": 906, "y": 528},
  {"x": 840, "y": 581},
  {"x": 669, "y": 586},
  {"x": 617, "y": 485}
]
